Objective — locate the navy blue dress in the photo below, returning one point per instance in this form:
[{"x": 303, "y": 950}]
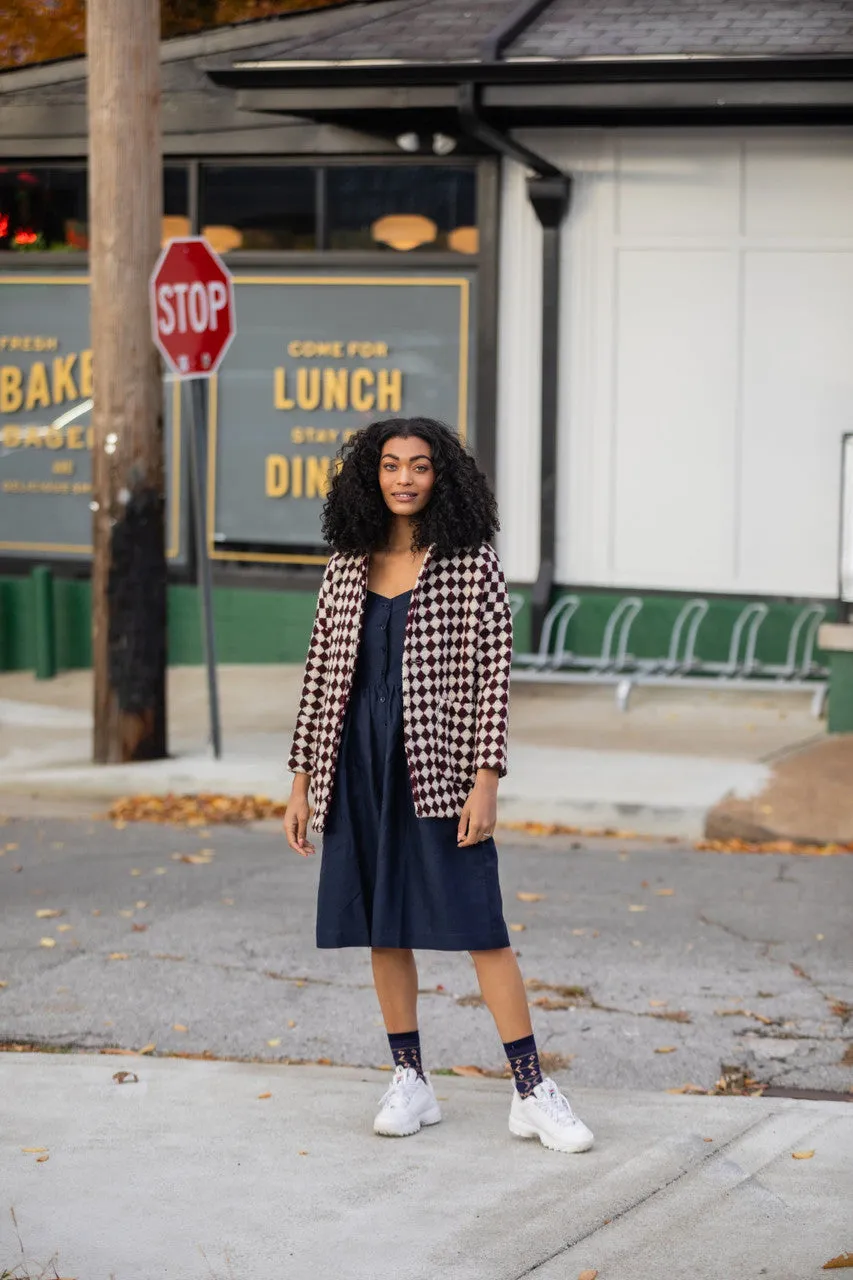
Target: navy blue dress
[{"x": 389, "y": 878}]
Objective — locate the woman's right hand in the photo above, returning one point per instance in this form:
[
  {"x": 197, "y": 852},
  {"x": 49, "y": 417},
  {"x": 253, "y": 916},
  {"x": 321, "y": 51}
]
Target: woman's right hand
[{"x": 296, "y": 820}]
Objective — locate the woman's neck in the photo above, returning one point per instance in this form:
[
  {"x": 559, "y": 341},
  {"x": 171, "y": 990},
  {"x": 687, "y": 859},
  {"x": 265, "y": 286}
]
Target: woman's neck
[{"x": 400, "y": 536}]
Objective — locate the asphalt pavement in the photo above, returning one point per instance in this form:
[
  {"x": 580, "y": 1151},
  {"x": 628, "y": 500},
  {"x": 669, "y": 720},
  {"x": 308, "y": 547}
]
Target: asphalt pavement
[{"x": 649, "y": 965}]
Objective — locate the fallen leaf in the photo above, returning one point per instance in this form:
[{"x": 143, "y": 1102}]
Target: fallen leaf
[
  {"x": 32, "y": 1150},
  {"x": 802, "y": 1155},
  {"x": 147, "y": 1048},
  {"x": 160, "y": 871},
  {"x": 63, "y": 928},
  {"x": 774, "y": 846},
  {"x": 689, "y": 1088},
  {"x": 179, "y": 1026},
  {"x": 4, "y": 984},
  {"x": 10, "y": 847},
  {"x": 47, "y": 913},
  {"x": 302, "y": 1153},
  {"x": 118, "y": 955},
  {"x": 589, "y": 1274},
  {"x": 135, "y": 871},
  {"x": 664, "y": 893},
  {"x": 666, "y": 1048},
  {"x": 136, "y": 928},
  {"x": 578, "y": 932},
  {"x": 636, "y": 906},
  {"x": 291, "y": 1023},
  {"x": 843, "y": 1260},
  {"x": 126, "y": 912},
  {"x": 274, "y": 1043},
  {"x": 41, "y": 1159},
  {"x": 658, "y": 1004},
  {"x": 141, "y": 904},
  {"x": 324, "y": 1062},
  {"x": 197, "y": 811},
  {"x": 468, "y": 1071},
  {"x": 264, "y": 1095},
  {"x": 471, "y": 1002},
  {"x": 517, "y": 928},
  {"x": 707, "y": 1139},
  {"x": 671, "y": 1015},
  {"x": 523, "y": 896},
  {"x": 47, "y": 942},
  {"x": 96, "y": 911},
  {"x": 548, "y": 1002},
  {"x": 125, "y": 1077},
  {"x": 569, "y": 992},
  {"x": 744, "y": 1013}
]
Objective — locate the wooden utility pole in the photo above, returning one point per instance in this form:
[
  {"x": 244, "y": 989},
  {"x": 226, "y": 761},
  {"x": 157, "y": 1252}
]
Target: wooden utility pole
[{"x": 125, "y": 210}]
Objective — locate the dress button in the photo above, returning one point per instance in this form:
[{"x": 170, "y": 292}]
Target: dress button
[{"x": 381, "y": 699}]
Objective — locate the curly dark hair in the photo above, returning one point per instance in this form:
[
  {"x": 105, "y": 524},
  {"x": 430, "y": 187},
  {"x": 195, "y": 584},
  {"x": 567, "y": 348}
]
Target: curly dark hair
[{"x": 461, "y": 514}]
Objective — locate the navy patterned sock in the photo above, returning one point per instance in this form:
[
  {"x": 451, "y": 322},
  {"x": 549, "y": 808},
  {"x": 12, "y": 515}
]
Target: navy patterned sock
[
  {"x": 406, "y": 1048},
  {"x": 524, "y": 1061}
]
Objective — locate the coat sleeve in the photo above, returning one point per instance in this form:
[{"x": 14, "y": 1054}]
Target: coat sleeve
[
  {"x": 301, "y": 759},
  {"x": 494, "y": 661}
]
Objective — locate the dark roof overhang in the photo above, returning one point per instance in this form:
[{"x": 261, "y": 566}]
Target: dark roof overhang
[{"x": 518, "y": 93}]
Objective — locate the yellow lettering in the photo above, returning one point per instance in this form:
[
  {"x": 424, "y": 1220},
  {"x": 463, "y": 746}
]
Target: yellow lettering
[
  {"x": 308, "y": 389},
  {"x": 63, "y": 382},
  {"x": 335, "y": 388},
  {"x": 11, "y": 388},
  {"x": 75, "y": 438},
  {"x": 280, "y": 399},
  {"x": 390, "y": 390},
  {"x": 361, "y": 378},
  {"x": 297, "y": 435},
  {"x": 38, "y": 391},
  {"x": 278, "y": 476},
  {"x": 11, "y": 437},
  {"x": 86, "y": 374},
  {"x": 33, "y": 438},
  {"x": 63, "y": 467},
  {"x": 317, "y": 477},
  {"x": 54, "y": 438},
  {"x": 296, "y": 470}
]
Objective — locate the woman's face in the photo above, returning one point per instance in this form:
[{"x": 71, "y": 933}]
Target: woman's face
[{"x": 406, "y": 474}]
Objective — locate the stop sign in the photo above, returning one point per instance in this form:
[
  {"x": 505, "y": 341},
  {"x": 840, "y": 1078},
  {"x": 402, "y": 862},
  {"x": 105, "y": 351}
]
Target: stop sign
[{"x": 192, "y": 307}]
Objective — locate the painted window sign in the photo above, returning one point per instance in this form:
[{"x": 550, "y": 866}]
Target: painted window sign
[
  {"x": 315, "y": 358},
  {"x": 45, "y": 432}
]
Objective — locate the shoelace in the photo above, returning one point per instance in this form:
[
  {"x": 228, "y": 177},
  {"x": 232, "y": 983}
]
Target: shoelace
[
  {"x": 400, "y": 1088},
  {"x": 556, "y": 1103}
]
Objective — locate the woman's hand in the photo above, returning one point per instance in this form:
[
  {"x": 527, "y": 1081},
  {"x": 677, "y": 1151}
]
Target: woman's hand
[
  {"x": 296, "y": 817},
  {"x": 480, "y": 813}
]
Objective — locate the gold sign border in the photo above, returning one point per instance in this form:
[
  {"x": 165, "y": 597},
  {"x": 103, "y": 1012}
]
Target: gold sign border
[
  {"x": 273, "y": 557},
  {"x": 175, "y": 495}
]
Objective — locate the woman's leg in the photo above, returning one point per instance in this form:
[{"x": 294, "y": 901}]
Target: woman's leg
[
  {"x": 395, "y": 977},
  {"x": 503, "y": 990}
]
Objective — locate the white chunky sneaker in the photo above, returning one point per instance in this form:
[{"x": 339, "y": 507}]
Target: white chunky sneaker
[
  {"x": 408, "y": 1103},
  {"x": 546, "y": 1115}
]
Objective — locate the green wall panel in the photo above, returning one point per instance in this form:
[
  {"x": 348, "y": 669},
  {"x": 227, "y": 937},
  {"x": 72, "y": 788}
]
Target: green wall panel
[{"x": 274, "y": 626}]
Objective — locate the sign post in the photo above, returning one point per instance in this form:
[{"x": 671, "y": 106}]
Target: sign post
[{"x": 192, "y": 318}]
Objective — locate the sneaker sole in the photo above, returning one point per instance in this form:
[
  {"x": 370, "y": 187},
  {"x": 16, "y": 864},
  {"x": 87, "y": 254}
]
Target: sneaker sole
[
  {"x": 431, "y": 1117},
  {"x": 524, "y": 1131}
]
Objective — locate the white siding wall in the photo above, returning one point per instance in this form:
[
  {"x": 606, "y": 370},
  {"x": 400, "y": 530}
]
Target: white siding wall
[{"x": 707, "y": 371}]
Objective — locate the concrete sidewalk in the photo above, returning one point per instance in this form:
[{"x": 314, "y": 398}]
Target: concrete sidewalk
[
  {"x": 191, "y": 1174},
  {"x": 574, "y": 758}
]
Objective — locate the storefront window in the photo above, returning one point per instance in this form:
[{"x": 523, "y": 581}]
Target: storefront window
[
  {"x": 249, "y": 207},
  {"x": 402, "y": 207},
  {"x": 42, "y": 209},
  {"x": 176, "y": 202}
]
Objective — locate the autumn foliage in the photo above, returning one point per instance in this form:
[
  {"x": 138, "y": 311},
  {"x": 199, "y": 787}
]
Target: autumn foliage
[{"x": 45, "y": 30}]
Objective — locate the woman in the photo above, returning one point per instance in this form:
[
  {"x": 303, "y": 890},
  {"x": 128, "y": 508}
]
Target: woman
[{"x": 401, "y": 736}]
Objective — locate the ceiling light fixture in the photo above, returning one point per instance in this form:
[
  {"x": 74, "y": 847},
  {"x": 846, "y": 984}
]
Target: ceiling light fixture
[
  {"x": 408, "y": 142},
  {"x": 443, "y": 144}
]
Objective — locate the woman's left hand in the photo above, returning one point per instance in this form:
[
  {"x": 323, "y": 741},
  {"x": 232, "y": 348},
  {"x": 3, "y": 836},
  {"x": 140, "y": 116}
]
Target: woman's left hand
[{"x": 480, "y": 813}]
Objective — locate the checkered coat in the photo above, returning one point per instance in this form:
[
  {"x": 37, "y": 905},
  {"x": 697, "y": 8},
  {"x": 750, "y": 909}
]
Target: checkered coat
[{"x": 456, "y": 667}]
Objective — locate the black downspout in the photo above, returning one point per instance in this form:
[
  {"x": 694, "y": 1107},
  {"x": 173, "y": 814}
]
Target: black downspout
[{"x": 549, "y": 192}]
